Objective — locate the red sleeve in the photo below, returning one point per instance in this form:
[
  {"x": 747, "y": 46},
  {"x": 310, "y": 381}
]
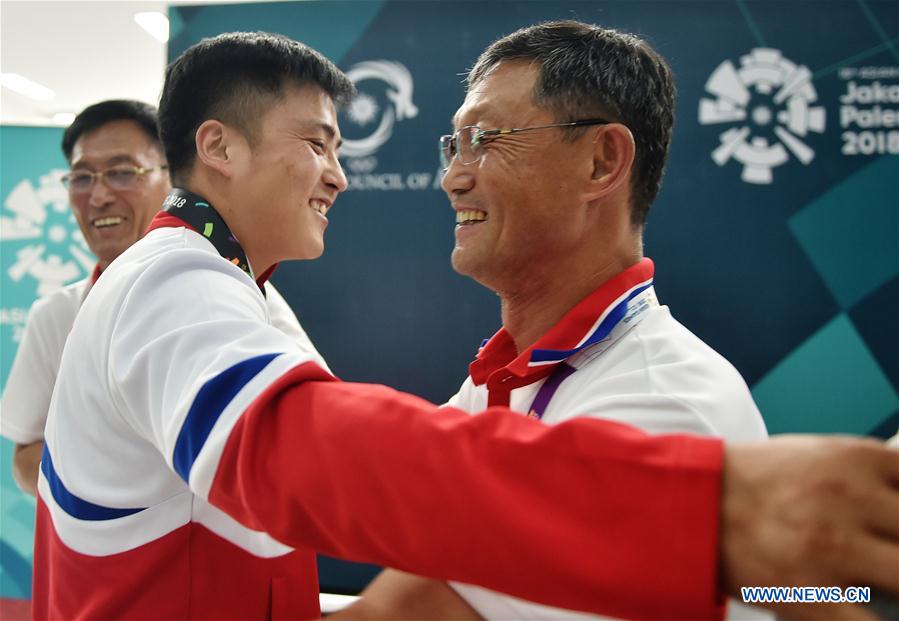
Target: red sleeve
[{"x": 589, "y": 514}]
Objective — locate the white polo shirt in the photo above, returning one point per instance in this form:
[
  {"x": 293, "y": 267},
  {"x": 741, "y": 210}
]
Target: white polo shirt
[
  {"x": 645, "y": 370},
  {"x": 29, "y": 385}
]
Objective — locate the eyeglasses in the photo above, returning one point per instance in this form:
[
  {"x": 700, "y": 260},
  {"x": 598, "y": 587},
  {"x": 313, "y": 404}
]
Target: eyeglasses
[
  {"x": 467, "y": 143},
  {"x": 116, "y": 178}
]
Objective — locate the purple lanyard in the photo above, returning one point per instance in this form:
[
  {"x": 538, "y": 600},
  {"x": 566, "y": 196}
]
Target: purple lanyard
[
  {"x": 548, "y": 389},
  {"x": 625, "y": 315}
]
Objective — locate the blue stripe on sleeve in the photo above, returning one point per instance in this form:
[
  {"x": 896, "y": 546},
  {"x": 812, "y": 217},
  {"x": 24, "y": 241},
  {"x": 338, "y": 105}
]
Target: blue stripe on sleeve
[
  {"x": 210, "y": 402},
  {"x": 72, "y": 504}
]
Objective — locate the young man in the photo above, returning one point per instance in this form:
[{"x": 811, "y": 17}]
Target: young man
[
  {"x": 117, "y": 183},
  {"x": 196, "y": 458}
]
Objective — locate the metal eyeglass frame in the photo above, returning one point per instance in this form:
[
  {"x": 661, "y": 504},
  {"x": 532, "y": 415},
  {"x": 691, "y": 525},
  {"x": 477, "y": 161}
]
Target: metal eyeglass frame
[
  {"x": 138, "y": 172},
  {"x": 479, "y": 137}
]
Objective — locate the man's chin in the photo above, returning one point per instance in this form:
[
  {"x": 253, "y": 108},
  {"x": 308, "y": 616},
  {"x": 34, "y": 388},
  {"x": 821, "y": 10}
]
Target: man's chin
[
  {"x": 462, "y": 264},
  {"x": 479, "y": 270},
  {"x": 106, "y": 253},
  {"x": 309, "y": 251}
]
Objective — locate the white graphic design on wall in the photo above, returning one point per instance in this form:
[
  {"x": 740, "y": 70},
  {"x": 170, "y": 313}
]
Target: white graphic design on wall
[
  {"x": 365, "y": 108},
  {"x": 767, "y": 103},
  {"x": 50, "y": 250}
]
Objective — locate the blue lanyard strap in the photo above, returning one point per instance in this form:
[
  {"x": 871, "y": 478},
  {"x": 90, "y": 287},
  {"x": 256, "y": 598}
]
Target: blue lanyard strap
[
  {"x": 625, "y": 309},
  {"x": 624, "y": 316}
]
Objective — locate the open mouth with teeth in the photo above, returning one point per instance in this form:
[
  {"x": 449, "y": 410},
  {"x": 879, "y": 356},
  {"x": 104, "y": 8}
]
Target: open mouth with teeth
[
  {"x": 470, "y": 216},
  {"x": 318, "y": 206},
  {"x": 102, "y": 223}
]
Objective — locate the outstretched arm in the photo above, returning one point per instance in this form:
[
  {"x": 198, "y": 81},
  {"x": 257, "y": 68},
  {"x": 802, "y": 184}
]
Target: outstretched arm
[
  {"x": 796, "y": 511},
  {"x": 367, "y": 473},
  {"x": 399, "y": 596}
]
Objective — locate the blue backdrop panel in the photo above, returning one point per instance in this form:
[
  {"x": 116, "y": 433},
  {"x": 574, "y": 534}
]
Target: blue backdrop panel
[
  {"x": 777, "y": 214},
  {"x": 775, "y": 234}
]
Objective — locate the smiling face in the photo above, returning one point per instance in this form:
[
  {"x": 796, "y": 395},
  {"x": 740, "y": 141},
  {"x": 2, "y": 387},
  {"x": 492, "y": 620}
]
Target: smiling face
[
  {"x": 285, "y": 182},
  {"x": 519, "y": 210},
  {"x": 112, "y": 220}
]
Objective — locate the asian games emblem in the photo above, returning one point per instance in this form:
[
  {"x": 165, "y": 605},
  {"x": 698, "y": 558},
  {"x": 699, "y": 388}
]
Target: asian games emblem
[
  {"x": 50, "y": 249},
  {"x": 375, "y": 110},
  {"x": 767, "y": 104}
]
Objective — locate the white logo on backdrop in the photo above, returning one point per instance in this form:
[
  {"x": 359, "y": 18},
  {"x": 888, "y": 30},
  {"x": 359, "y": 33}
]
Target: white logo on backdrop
[
  {"x": 365, "y": 109},
  {"x": 41, "y": 216},
  {"x": 767, "y": 93}
]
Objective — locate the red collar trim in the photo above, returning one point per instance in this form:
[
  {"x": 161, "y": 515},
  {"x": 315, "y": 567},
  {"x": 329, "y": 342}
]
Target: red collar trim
[
  {"x": 266, "y": 275},
  {"x": 500, "y": 353},
  {"x": 165, "y": 220},
  {"x": 95, "y": 274}
]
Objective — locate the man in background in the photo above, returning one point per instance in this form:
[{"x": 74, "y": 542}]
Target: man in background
[{"x": 117, "y": 183}]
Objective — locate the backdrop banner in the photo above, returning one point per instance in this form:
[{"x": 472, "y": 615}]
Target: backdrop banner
[
  {"x": 775, "y": 235},
  {"x": 41, "y": 249}
]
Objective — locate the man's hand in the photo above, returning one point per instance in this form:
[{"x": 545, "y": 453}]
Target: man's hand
[
  {"x": 398, "y": 596},
  {"x": 811, "y": 511},
  {"x": 25, "y": 464},
  {"x": 796, "y": 511}
]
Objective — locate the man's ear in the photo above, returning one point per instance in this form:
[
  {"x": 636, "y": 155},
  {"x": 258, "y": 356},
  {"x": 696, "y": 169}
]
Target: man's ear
[
  {"x": 216, "y": 146},
  {"x": 613, "y": 159}
]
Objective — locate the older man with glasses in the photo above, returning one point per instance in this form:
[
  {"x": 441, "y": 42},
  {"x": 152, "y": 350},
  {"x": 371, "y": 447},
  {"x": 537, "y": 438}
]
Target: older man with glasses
[
  {"x": 117, "y": 183},
  {"x": 552, "y": 221}
]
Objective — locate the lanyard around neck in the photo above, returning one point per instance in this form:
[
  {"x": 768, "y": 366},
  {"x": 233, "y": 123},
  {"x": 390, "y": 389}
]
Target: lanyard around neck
[
  {"x": 548, "y": 389},
  {"x": 196, "y": 211},
  {"x": 634, "y": 311}
]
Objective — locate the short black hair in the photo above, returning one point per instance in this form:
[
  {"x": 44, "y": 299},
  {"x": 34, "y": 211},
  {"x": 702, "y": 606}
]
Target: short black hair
[
  {"x": 234, "y": 77},
  {"x": 587, "y": 71},
  {"x": 99, "y": 114}
]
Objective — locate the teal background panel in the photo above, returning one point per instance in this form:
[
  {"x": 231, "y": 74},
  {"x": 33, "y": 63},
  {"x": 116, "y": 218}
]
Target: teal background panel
[
  {"x": 17, "y": 529},
  {"x": 829, "y": 384},
  {"x": 26, "y": 150},
  {"x": 877, "y": 319},
  {"x": 332, "y": 28},
  {"x": 41, "y": 248},
  {"x": 851, "y": 232}
]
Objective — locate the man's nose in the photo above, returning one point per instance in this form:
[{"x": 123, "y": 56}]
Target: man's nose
[
  {"x": 458, "y": 177},
  {"x": 334, "y": 175},
  {"x": 100, "y": 194}
]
